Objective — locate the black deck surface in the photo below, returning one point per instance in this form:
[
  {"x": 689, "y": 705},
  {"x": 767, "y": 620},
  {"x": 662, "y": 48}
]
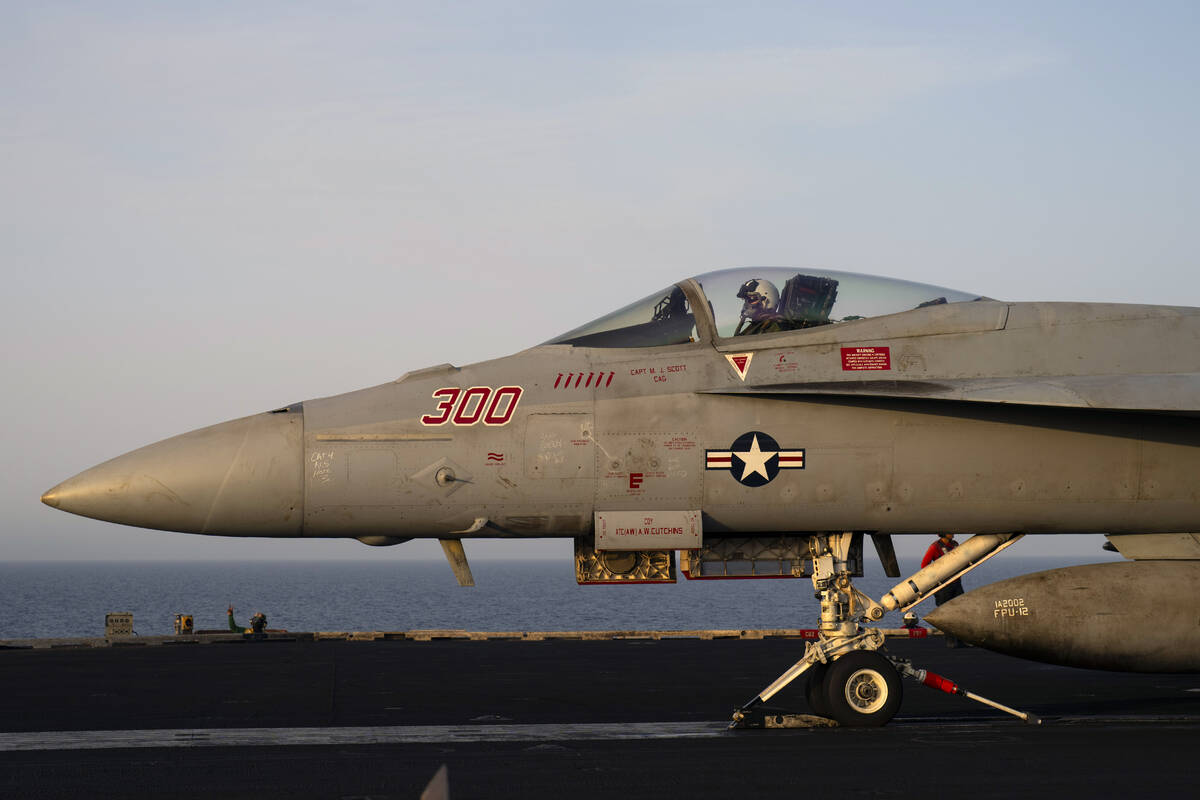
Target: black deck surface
[{"x": 1104, "y": 733}]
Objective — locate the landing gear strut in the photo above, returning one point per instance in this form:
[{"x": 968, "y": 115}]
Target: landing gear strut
[{"x": 848, "y": 679}]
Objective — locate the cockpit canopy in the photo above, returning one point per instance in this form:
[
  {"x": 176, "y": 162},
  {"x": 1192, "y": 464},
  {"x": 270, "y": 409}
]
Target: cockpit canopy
[{"x": 755, "y": 300}]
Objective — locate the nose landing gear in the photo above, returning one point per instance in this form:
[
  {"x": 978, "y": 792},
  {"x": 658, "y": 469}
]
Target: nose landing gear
[{"x": 848, "y": 679}]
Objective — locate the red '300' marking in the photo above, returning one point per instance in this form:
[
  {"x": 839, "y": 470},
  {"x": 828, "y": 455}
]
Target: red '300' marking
[
  {"x": 494, "y": 417},
  {"x": 451, "y": 395},
  {"x": 478, "y": 394},
  {"x": 495, "y": 407}
]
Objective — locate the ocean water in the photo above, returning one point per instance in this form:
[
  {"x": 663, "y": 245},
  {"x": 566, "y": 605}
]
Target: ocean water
[{"x": 67, "y": 599}]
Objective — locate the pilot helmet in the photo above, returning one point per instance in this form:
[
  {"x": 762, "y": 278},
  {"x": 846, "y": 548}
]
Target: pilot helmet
[{"x": 760, "y": 296}]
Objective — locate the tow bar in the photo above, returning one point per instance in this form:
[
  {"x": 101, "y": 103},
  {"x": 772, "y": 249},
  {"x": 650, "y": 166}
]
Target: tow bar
[{"x": 943, "y": 684}]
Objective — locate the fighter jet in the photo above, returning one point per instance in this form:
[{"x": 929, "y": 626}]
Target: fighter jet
[{"x": 755, "y": 423}]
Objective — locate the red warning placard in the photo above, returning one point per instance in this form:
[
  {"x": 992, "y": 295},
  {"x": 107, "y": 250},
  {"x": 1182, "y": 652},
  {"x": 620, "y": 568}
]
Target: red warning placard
[{"x": 856, "y": 358}]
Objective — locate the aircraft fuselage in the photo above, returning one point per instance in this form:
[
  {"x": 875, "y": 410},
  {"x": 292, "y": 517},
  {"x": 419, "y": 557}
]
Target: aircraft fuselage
[{"x": 536, "y": 443}]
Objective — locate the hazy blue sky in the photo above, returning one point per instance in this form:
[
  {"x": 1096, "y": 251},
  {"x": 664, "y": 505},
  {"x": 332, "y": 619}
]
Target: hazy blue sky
[{"x": 209, "y": 210}]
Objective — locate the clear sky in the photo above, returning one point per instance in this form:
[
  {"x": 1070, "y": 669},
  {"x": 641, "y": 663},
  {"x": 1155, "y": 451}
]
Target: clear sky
[{"x": 209, "y": 210}]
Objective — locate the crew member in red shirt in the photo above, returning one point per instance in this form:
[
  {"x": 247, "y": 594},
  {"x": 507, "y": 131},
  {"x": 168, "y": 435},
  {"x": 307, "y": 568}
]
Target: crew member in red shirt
[{"x": 944, "y": 544}]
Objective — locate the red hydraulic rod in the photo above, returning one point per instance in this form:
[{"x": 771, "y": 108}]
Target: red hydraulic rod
[{"x": 935, "y": 681}]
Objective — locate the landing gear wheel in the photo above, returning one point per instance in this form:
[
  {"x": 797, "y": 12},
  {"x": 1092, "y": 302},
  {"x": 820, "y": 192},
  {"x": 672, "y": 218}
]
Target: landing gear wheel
[
  {"x": 863, "y": 690},
  {"x": 814, "y": 690}
]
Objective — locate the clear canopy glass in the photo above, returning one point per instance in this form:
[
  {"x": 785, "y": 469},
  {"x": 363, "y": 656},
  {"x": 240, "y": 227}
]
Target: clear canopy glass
[
  {"x": 662, "y": 318},
  {"x": 754, "y": 300},
  {"x": 812, "y": 297}
]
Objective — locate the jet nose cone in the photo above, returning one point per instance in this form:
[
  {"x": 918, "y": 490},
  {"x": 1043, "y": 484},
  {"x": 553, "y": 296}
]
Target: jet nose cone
[
  {"x": 239, "y": 478},
  {"x": 50, "y": 498}
]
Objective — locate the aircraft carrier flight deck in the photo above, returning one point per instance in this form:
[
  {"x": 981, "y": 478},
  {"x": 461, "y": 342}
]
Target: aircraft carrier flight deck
[{"x": 630, "y": 715}]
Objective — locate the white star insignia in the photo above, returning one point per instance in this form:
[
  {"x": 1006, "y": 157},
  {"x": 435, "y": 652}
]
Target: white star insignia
[{"x": 755, "y": 460}]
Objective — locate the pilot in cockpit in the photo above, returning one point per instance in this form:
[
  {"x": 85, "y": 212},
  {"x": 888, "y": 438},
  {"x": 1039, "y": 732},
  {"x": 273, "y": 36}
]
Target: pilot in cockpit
[{"x": 760, "y": 309}]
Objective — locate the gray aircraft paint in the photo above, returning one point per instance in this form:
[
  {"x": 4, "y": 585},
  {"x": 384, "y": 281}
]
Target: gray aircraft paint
[
  {"x": 973, "y": 417},
  {"x": 1114, "y": 616}
]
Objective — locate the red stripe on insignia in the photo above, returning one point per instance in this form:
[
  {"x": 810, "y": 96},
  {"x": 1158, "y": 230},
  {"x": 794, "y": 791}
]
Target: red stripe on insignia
[
  {"x": 610, "y": 377},
  {"x": 558, "y": 380}
]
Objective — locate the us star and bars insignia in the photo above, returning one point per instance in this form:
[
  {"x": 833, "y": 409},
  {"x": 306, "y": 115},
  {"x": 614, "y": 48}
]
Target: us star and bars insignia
[{"x": 754, "y": 459}]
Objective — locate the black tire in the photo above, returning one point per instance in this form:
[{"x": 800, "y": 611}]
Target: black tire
[
  {"x": 863, "y": 690},
  {"x": 814, "y": 690}
]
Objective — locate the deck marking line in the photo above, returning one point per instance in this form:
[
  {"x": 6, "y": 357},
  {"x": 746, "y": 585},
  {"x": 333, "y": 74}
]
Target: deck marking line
[{"x": 393, "y": 734}]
